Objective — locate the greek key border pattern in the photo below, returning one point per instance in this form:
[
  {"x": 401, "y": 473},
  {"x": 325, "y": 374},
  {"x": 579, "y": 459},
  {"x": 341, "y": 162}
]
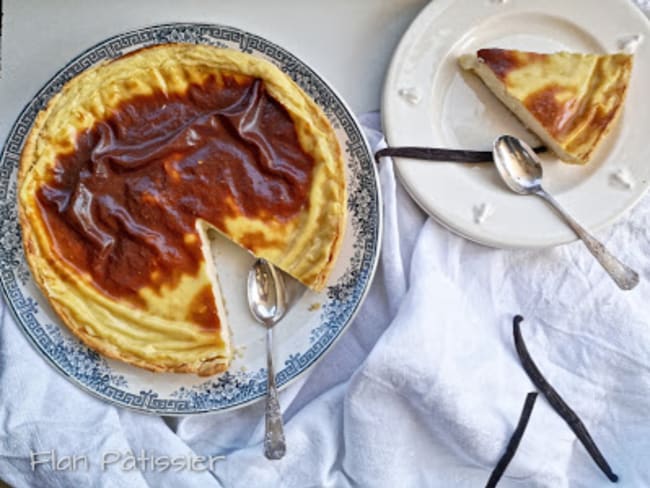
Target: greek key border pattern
[{"x": 229, "y": 389}]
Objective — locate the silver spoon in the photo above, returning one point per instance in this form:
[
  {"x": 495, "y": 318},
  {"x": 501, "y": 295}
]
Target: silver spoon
[
  {"x": 521, "y": 170},
  {"x": 267, "y": 302}
]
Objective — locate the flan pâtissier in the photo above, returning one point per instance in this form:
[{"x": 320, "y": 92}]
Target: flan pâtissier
[
  {"x": 571, "y": 101},
  {"x": 136, "y": 159}
]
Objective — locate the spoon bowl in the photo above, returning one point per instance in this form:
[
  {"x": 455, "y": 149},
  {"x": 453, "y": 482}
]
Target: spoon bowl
[
  {"x": 518, "y": 165},
  {"x": 266, "y": 293}
]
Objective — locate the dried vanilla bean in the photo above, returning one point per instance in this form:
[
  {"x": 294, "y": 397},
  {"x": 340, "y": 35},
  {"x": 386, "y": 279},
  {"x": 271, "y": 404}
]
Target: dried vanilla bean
[
  {"x": 440, "y": 154},
  {"x": 558, "y": 404},
  {"x": 513, "y": 443}
]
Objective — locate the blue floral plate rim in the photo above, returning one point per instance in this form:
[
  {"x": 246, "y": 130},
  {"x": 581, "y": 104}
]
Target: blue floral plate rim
[{"x": 93, "y": 373}]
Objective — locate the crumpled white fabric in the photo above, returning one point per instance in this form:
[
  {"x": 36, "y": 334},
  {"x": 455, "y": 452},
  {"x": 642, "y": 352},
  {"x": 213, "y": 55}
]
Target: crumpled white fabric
[{"x": 424, "y": 389}]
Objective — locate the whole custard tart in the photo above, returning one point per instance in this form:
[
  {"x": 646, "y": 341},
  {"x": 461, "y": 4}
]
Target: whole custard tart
[{"x": 135, "y": 160}]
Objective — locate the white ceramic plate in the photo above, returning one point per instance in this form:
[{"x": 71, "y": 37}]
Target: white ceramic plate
[
  {"x": 314, "y": 320},
  {"x": 428, "y": 101}
]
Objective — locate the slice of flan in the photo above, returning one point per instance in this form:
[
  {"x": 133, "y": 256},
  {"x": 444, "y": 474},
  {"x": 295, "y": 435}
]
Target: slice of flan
[
  {"x": 571, "y": 101},
  {"x": 134, "y": 161}
]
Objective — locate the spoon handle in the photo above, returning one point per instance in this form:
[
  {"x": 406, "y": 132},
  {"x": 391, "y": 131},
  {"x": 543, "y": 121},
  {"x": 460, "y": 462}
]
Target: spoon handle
[
  {"x": 274, "y": 445},
  {"x": 625, "y": 277}
]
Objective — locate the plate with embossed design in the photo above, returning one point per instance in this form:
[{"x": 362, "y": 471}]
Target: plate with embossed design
[
  {"x": 313, "y": 323},
  {"x": 429, "y": 101}
]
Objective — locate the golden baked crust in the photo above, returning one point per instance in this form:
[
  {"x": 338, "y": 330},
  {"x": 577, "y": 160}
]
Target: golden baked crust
[
  {"x": 571, "y": 101},
  {"x": 159, "y": 332}
]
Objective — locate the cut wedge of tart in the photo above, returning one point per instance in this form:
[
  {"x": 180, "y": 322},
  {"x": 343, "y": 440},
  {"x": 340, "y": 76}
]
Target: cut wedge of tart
[
  {"x": 571, "y": 101},
  {"x": 135, "y": 160}
]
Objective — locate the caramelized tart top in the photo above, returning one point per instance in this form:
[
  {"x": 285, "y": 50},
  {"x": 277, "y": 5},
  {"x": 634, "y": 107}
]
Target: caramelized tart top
[{"x": 134, "y": 160}]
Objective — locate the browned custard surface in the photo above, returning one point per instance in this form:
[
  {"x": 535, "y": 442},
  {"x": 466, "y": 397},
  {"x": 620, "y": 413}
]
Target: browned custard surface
[
  {"x": 123, "y": 205},
  {"x": 570, "y": 100},
  {"x": 133, "y": 162},
  {"x": 503, "y": 61}
]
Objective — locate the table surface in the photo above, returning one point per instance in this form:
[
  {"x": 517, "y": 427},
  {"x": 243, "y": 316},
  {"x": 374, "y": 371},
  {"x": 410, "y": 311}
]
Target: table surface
[{"x": 349, "y": 43}]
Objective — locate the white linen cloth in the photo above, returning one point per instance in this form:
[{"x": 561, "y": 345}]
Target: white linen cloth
[{"x": 424, "y": 389}]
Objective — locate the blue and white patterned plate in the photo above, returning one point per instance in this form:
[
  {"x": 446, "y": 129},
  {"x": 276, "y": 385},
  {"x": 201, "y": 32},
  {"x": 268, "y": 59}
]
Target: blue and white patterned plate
[{"x": 314, "y": 321}]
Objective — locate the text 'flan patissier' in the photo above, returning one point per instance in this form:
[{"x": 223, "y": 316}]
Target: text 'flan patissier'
[{"x": 129, "y": 166}]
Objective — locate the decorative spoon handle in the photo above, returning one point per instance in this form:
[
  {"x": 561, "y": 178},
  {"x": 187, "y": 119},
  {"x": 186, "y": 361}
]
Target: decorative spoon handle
[
  {"x": 625, "y": 277},
  {"x": 274, "y": 445}
]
